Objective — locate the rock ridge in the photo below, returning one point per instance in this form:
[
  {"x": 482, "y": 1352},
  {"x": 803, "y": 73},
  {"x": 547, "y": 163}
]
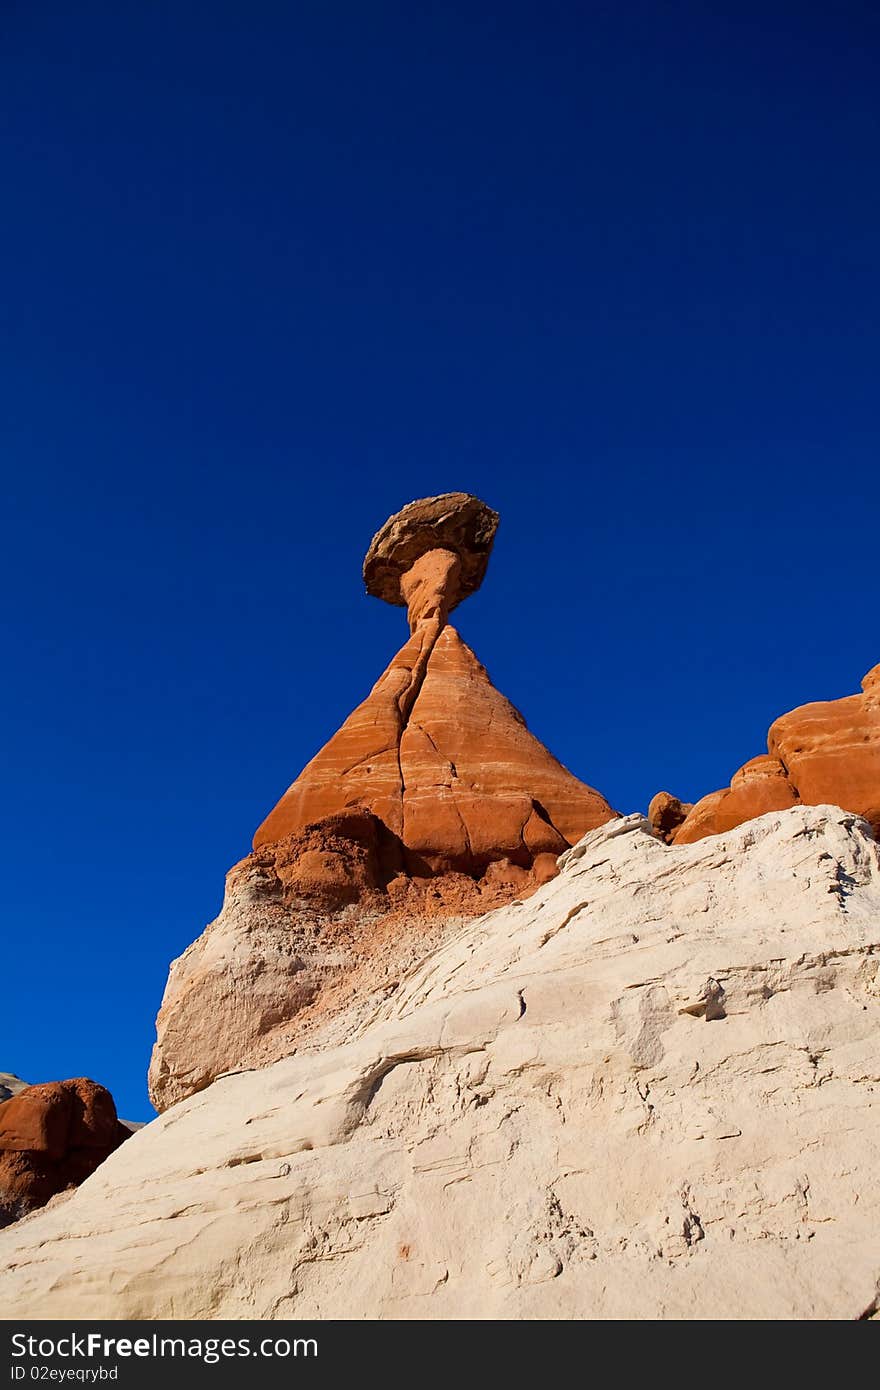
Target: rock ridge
[{"x": 825, "y": 752}]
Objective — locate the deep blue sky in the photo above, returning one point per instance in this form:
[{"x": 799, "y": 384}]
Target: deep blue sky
[{"x": 271, "y": 271}]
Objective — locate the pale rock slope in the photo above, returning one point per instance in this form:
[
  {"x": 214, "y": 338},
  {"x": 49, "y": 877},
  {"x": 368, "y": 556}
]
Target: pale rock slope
[{"x": 649, "y": 1091}]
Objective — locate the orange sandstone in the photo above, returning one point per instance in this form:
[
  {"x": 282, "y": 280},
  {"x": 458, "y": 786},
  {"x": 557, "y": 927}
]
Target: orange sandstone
[
  {"x": 435, "y": 751},
  {"x": 53, "y": 1136},
  {"x": 823, "y": 753}
]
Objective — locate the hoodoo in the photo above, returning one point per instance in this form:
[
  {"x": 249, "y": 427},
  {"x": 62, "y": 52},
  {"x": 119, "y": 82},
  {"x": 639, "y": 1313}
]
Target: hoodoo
[
  {"x": 432, "y": 803},
  {"x": 435, "y": 751}
]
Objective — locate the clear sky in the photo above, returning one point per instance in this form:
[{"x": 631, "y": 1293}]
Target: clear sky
[{"x": 271, "y": 270}]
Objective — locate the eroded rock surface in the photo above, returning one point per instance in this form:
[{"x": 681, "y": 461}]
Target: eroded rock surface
[
  {"x": 649, "y": 1091},
  {"x": 310, "y": 925}
]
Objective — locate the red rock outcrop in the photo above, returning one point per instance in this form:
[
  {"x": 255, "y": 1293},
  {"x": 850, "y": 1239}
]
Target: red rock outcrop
[
  {"x": 53, "y": 1136},
  {"x": 353, "y": 858},
  {"x": 818, "y": 754},
  {"x": 666, "y": 814}
]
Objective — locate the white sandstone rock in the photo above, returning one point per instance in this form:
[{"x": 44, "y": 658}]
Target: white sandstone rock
[{"x": 649, "y": 1091}]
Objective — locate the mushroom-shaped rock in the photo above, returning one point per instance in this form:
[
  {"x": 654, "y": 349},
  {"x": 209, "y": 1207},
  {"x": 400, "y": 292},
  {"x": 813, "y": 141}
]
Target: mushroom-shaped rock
[
  {"x": 454, "y": 521},
  {"x": 435, "y": 751}
]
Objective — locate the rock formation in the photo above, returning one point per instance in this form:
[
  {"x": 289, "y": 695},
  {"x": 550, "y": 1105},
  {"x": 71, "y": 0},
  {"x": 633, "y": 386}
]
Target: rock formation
[
  {"x": 648, "y": 1091},
  {"x": 52, "y": 1137},
  {"x": 828, "y": 752},
  {"x": 435, "y": 751},
  {"x": 666, "y": 814},
  {"x": 431, "y": 803}
]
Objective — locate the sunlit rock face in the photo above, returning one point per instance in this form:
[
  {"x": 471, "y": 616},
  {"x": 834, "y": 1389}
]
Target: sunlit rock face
[
  {"x": 823, "y": 753},
  {"x": 435, "y": 751}
]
